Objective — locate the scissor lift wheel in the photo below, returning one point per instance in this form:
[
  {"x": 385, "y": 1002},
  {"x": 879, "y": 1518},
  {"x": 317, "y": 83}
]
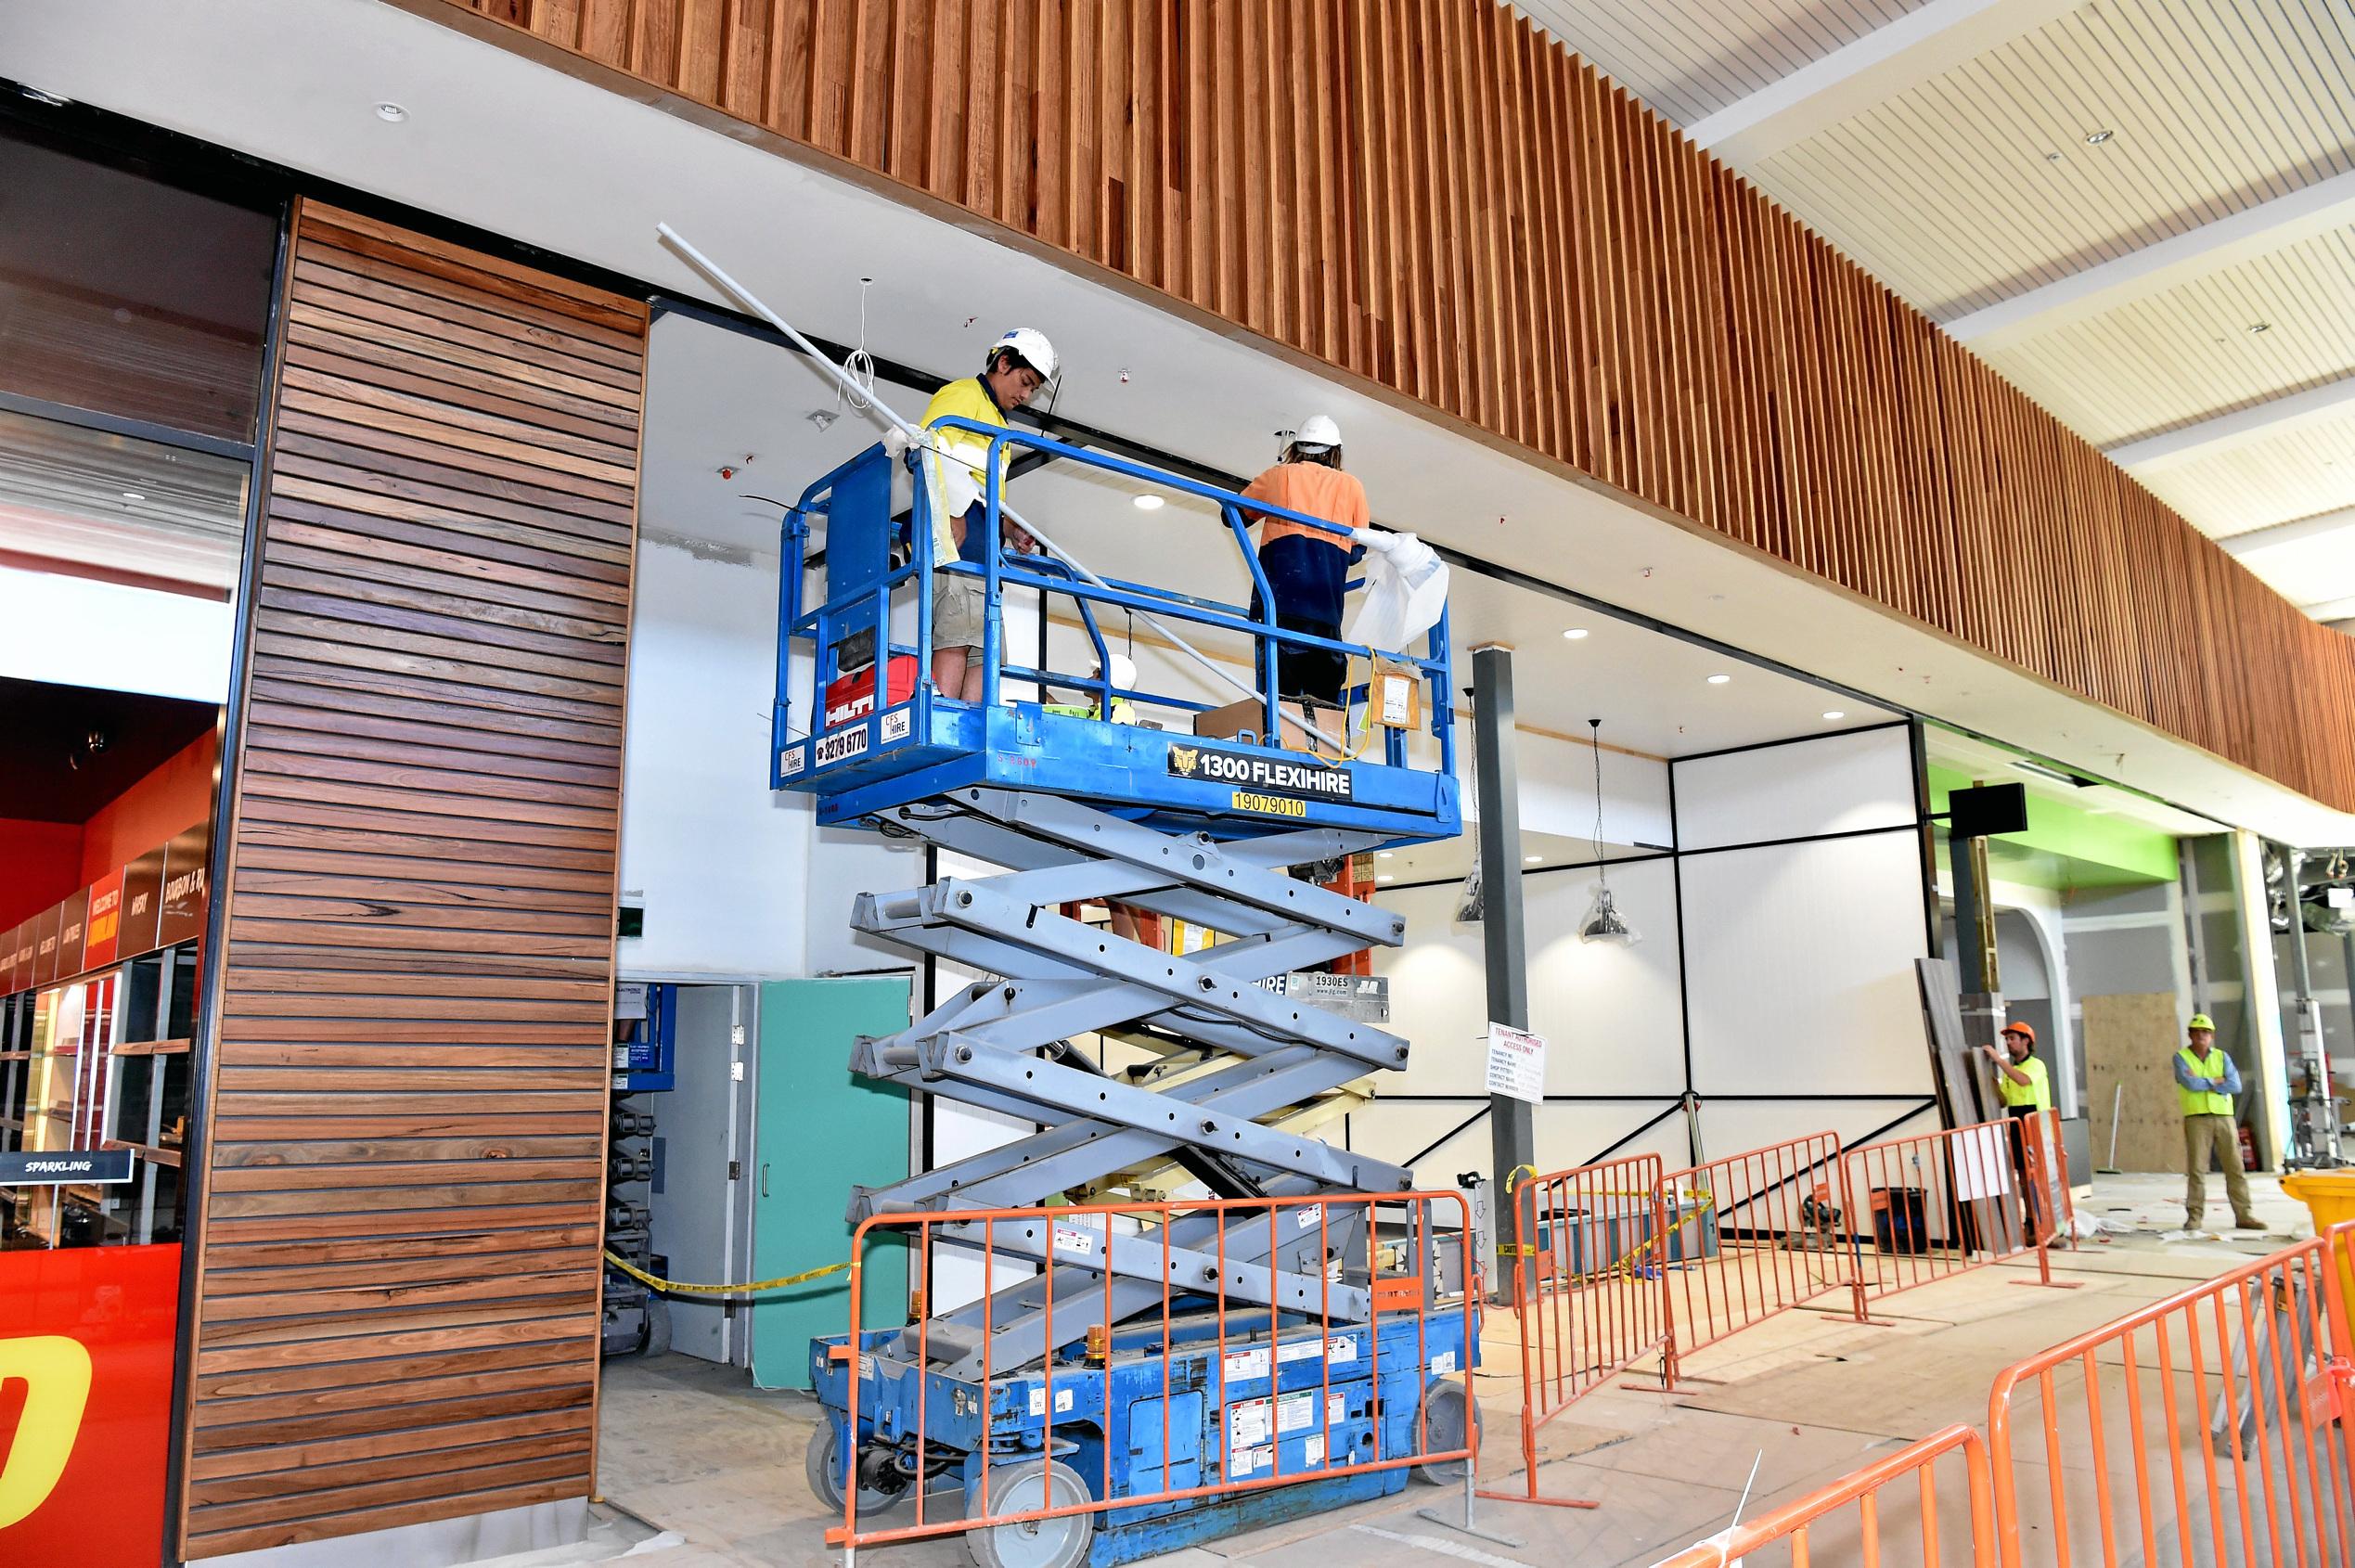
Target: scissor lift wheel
[{"x": 1061, "y": 1542}]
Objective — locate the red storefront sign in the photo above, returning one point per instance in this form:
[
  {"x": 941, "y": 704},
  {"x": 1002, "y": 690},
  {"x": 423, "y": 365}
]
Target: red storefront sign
[
  {"x": 85, "y": 1403},
  {"x": 104, "y": 923}
]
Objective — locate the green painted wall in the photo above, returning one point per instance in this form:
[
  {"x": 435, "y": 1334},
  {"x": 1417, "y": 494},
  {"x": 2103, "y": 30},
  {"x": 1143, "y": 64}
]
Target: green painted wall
[{"x": 2066, "y": 846}]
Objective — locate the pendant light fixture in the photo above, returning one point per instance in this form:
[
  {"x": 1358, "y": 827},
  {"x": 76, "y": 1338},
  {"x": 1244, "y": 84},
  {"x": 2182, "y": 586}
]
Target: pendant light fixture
[{"x": 1603, "y": 922}]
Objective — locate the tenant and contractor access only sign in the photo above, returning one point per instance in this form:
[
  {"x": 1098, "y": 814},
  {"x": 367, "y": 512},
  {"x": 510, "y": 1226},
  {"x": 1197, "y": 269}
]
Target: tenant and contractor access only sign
[{"x": 1516, "y": 1064}]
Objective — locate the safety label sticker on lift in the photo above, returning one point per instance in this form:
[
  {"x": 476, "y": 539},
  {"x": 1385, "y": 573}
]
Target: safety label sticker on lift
[
  {"x": 1241, "y": 1366},
  {"x": 1038, "y": 1402},
  {"x": 1338, "y": 1348},
  {"x": 1247, "y": 1419},
  {"x": 896, "y": 726}
]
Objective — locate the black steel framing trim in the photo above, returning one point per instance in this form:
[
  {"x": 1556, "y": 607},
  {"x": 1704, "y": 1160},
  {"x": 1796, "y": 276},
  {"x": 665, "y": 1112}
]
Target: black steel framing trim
[
  {"x": 1918, "y": 754},
  {"x": 1381, "y": 888},
  {"x": 1796, "y": 739},
  {"x": 1800, "y": 839},
  {"x": 1684, "y": 989},
  {"x": 117, "y": 424},
  {"x": 205, "y": 1030},
  {"x": 1890, "y": 1097}
]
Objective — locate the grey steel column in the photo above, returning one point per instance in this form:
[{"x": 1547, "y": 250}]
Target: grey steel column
[{"x": 1512, "y": 1139}]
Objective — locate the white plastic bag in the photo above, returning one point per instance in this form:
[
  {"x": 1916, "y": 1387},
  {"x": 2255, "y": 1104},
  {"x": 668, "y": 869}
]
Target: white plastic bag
[{"x": 1406, "y": 590}]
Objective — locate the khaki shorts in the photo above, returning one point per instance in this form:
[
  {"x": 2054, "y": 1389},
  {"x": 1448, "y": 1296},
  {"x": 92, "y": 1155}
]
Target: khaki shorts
[{"x": 959, "y": 610}]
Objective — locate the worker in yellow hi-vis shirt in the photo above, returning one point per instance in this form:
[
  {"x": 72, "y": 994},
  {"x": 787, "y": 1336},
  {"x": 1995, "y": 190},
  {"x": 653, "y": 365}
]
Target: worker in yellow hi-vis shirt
[
  {"x": 2026, "y": 1089},
  {"x": 1019, "y": 364},
  {"x": 2206, "y": 1081}
]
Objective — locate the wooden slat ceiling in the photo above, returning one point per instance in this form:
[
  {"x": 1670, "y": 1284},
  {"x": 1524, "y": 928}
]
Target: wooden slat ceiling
[
  {"x": 397, "y": 1305},
  {"x": 1431, "y": 194}
]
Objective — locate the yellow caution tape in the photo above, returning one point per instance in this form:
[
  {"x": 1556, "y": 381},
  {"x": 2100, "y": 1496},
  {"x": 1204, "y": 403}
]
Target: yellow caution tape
[{"x": 750, "y": 1287}]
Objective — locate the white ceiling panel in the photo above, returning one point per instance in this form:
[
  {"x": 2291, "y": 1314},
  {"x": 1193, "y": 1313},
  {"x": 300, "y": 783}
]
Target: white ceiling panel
[
  {"x": 2190, "y": 351},
  {"x": 2277, "y": 479},
  {"x": 1980, "y": 183},
  {"x": 1689, "y": 59},
  {"x": 2308, "y": 572}
]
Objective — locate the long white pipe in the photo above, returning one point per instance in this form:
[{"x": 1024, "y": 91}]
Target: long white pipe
[{"x": 864, "y": 395}]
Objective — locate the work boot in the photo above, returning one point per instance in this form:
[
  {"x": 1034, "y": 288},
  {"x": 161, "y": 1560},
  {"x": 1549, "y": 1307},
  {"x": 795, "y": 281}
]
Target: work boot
[{"x": 2247, "y": 1222}]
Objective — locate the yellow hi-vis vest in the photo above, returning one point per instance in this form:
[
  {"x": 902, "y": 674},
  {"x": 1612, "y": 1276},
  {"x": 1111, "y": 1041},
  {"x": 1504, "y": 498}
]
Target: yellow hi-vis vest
[{"x": 2196, "y": 1103}]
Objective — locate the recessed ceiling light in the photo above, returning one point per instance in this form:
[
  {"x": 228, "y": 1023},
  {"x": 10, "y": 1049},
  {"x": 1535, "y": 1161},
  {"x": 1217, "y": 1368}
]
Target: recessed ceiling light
[
  {"x": 1148, "y": 503},
  {"x": 391, "y": 112},
  {"x": 1386, "y": 876},
  {"x": 1386, "y": 853},
  {"x": 2255, "y": 327},
  {"x": 2095, "y": 138},
  {"x": 1833, "y": 715},
  {"x": 1719, "y": 680},
  {"x": 1575, "y": 633},
  {"x": 1532, "y": 860},
  {"x": 133, "y": 495}
]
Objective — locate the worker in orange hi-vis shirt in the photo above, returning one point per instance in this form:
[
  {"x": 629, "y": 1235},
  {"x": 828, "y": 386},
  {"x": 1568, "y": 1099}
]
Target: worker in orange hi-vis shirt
[{"x": 1308, "y": 569}]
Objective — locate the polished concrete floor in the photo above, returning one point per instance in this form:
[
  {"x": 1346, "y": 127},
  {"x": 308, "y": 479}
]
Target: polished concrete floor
[{"x": 697, "y": 1469}]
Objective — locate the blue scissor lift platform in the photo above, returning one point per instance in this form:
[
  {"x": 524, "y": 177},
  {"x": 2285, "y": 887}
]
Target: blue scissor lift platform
[{"x": 1153, "y": 1350}]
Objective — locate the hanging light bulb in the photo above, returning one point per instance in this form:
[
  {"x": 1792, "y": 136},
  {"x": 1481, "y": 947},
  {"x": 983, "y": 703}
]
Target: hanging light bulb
[{"x": 1603, "y": 922}]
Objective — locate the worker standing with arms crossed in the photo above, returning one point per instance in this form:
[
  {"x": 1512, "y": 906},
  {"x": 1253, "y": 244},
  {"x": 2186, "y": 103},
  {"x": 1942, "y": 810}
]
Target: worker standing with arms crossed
[
  {"x": 1018, "y": 364},
  {"x": 2206, "y": 1081}
]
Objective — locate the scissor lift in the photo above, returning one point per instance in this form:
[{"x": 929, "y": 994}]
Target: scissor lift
[{"x": 1076, "y": 809}]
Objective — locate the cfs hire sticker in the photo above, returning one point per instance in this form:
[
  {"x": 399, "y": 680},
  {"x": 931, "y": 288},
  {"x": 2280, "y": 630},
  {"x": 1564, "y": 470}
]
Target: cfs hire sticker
[{"x": 895, "y": 724}]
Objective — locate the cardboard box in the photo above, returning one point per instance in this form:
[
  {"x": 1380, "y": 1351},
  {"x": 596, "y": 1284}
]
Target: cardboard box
[{"x": 1244, "y": 720}]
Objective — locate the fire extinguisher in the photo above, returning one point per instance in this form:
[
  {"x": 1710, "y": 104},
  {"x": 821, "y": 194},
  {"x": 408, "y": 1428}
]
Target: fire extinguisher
[{"x": 2248, "y": 1148}]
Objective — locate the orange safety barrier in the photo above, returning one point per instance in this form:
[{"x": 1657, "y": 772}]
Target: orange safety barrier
[
  {"x": 2203, "y": 1428},
  {"x": 1817, "y": 1523},
  {"x": 1943, "y": 1203},
  {"x": 1589, "y": 1290},
  {"x": 1265, "y": 1303},
  {"x": 1752, "y": 1235}
]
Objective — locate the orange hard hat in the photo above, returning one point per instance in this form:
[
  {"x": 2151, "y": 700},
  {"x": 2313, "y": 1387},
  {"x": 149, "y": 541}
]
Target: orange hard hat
[{"x": 2021, "y": 1029}]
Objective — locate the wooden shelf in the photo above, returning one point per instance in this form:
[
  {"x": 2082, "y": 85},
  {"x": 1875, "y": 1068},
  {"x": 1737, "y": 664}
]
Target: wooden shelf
[
  {"x": 153, "y": 1048},
  {"x": 151, "y": 1152}
]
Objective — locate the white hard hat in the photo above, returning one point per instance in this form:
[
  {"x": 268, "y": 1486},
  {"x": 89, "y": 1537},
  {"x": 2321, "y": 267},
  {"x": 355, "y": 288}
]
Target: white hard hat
[
  {"x": 1318, "y": 429},
  {"x": 1122, "y": 674},
  {"x": 1032, "y": 346}
]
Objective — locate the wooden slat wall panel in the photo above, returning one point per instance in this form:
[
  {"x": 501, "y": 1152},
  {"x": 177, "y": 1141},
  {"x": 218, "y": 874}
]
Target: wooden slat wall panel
[
  {"x": 1430, "y": 195},
  {"x": 397, "y": 1318}
]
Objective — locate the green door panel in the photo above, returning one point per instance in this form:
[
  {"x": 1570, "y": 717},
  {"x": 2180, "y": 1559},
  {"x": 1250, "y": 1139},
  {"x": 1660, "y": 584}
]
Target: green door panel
[{"x": 817, "y": 1131}]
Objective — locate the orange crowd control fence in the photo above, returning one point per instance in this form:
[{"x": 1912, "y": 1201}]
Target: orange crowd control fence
[
  {"x": 1874, "y": 1512},
  {"x": 1589, "y": 1289},
  {"x": 1940, "y": 1204},
  {"x": 1127, "y": 1354},
  {"x": 1750, "y": 1235},
  {"x": 2203, "y": 1428}
]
